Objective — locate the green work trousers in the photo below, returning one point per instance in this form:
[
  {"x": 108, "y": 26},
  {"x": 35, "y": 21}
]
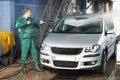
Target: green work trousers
[{"x": 26, "y": 45}]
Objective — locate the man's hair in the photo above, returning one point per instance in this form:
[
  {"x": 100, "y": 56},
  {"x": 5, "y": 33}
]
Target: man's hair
[{"x": 25, "y": 10}]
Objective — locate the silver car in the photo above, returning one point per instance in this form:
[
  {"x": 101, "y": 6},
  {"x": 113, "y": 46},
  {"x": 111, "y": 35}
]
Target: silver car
[{"x": 79, "y": 42}]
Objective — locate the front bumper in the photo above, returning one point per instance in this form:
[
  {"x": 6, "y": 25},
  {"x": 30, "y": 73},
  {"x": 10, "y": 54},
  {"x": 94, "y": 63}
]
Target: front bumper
[{"x": 72, "y": 62}]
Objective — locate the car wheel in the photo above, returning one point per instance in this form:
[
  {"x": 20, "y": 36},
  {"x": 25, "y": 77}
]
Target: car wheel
[
  {"x": 5, "y": 61},
  {"x": 11, "y": 59},
  {"x": 103, "y": 67},
  {"x": 114, "y": 53}
]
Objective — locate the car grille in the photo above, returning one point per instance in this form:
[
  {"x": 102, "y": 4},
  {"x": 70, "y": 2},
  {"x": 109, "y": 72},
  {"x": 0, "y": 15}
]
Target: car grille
[
  {"x": 68, "y": 51},
  {"x": 69, "y": 64}
]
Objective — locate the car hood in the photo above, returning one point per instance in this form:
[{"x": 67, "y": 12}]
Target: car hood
[{"x": 71, "y": 40}]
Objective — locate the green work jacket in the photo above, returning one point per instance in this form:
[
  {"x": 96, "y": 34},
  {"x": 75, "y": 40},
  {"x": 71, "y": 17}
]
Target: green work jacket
[{"x": 25, "y": 30}]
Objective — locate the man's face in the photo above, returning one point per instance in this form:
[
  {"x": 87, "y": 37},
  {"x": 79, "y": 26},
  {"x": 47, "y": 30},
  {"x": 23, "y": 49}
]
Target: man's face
[{"x": 28, "y": 13}]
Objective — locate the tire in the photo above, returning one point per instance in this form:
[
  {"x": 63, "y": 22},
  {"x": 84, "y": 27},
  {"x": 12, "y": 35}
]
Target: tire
[
  {"x": 103, "y": 66},
  {"x": 114, "y": 53},
  {"x": 5, "y": 61},
  {"x": 11, "y": 59}
]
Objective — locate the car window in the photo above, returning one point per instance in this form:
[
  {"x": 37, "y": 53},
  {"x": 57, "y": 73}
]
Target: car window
[
  {"x": 87, "y": 26},
  {"x": 108, "y": 24}
]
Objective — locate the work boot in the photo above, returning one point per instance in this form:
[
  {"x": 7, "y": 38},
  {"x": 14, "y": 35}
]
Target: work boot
[
  {"x": 38, "y": 67},
  {"x": 24, "y": 69}
]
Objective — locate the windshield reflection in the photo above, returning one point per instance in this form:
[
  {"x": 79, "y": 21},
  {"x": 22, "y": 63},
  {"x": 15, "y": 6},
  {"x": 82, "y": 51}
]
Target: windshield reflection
[{"x": 86, "y": 26}]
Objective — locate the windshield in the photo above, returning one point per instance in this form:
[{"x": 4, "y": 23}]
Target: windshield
[{"x": 85, "y": 26}]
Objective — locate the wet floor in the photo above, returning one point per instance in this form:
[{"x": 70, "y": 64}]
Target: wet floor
[{"x": 113, "y": 73}]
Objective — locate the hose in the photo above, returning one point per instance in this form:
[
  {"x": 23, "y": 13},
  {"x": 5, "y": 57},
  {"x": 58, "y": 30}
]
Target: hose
[
  {"x": 15, "y": 73},
  {"x": 3, "y": 69},
  {"x": 11, "y": 75},
  {"x": 10, "y": 65}
]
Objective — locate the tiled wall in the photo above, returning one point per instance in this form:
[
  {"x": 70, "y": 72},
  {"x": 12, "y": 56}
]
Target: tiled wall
[
  {"x": 35, "y": 2},
  {"x": 6, "y": 15},
  {"x": 10, "y": 10},
  {"x": 36, "y": 6}
]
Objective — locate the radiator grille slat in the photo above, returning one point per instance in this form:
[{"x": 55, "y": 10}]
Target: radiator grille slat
[
  {"x": 69, "y": 64},
  {"x": 68, "y": 51}
]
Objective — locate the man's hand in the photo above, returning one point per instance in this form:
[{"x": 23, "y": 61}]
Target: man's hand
[
  {"x": 42, "y": 22},
  {"x": 28, "y": 22}
]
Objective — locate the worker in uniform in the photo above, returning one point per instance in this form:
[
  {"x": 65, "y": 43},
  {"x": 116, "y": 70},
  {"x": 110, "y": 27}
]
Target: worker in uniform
[{"x": 26, "y": 25}]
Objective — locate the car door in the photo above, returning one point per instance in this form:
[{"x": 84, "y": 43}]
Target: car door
[{"x": 110, "y": 36}]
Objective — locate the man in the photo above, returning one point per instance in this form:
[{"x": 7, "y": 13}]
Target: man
[{"x": 25, "y": 25}]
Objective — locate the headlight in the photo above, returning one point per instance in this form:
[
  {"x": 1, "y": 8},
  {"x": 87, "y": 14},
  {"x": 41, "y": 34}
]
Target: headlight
[
  {"x": 45, "y": 47},
  {"x": 93, "y": 48}
]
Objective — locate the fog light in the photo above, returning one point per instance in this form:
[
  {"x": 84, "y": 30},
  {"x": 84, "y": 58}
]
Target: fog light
[
  {"x": 93, "y": 62},
  {"x": 45, "y": 61},
  {"x": 90, "y": 63}
]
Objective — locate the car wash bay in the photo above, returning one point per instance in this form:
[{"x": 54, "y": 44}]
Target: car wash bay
[
  {"x": 13, "y": 73},
  {"x": 50, "y": 11}
]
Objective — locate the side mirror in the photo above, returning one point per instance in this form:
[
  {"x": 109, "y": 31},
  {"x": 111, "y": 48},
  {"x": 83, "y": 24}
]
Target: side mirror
[{"x": 110, "y": 32}]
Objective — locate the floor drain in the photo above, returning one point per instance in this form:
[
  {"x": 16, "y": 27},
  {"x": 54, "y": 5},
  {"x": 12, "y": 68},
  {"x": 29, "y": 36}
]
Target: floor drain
[{"x": 63, "y": 77}]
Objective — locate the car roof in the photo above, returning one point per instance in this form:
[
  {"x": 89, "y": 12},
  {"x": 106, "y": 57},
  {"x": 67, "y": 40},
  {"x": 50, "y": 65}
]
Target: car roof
[{"x": 85, "y": 16}]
